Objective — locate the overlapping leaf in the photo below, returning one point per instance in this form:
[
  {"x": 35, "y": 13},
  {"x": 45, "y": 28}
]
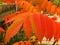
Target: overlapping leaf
[
  {"x": 34, "y": 22},
  {"x": 14, "y": 16},
  {"x": 14, "y": 28},
  {"x": 56, "y": 30},
  {"x": 49, "y": 25},
  {"x": 36, "y": 26},
  {"x": 29, "y": 7}
]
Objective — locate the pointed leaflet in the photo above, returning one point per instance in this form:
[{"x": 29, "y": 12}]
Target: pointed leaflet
[
  {"x": 29, "y": 7},
  {"x": 15, "y": 16},
  {"x": 2, "y": 30},
  {"x": 43, "y": 23},
  {"x": 9, "y": 17},
  {"x": 57, "y": 31},
  {"x": 9, "y": 1},
  {"x": 27, "y": 27},
  {"x": 54, "y": 30},
  {"x": 39, "y": 27},
  {"x": 13, "y": 29},
  {"x": 36, "y": 26},
  {"x": 49, "y": 24},
  {"x": 33, "y": 25},
  {"x": 15, "y": 26}
]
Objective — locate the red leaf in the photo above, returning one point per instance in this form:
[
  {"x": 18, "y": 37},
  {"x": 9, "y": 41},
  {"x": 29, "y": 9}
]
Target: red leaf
[
  {"x": 57, "y": 31},
  {"x": 38, "y": 29},
  {"x": 49, "y": 25},
  {"x": 54, "y": 18},
  {"x": 27, "y": 27}
]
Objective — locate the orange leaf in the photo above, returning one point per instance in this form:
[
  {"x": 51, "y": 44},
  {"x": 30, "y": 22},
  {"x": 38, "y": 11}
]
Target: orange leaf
[
  {"x": 9, "y": 17},
  {"x": 9, "y": 1},
  {"x": 53, "y": 9},
  {"x": 30, "y": 1},
  {"x": 27, "y": 27},
  {"x": 15, "y": 16},
  {"x": 17, "y": 43},
  {"x": 48, "y": 6},
  {"x": 40, "y": 31},
  {"x": 26, "y": 6},
  {"x": 58, "y": 11},
  {"x": 42, "y": 4},
  {"x": 13, "y": 29},
  {"x": 36, "y": 26},
  {"x": 27, "y": 43}
]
